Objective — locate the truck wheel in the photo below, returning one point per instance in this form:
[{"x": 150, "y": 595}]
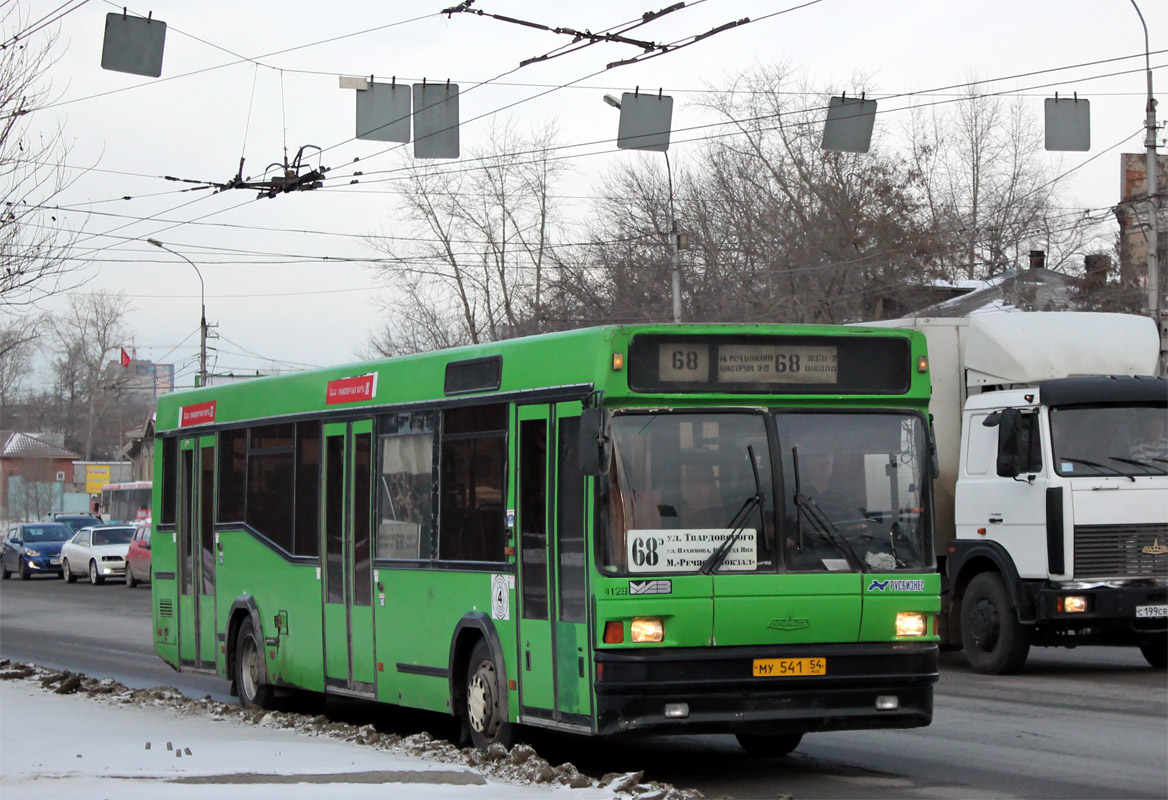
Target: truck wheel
[
  {"x": 994, "y": 641},
  {"x": 1156, "y": 652},
  {"x": 768, "y": 746},
  {"x": 249, "y": 669},
  {"x": 485, "y": 715}
]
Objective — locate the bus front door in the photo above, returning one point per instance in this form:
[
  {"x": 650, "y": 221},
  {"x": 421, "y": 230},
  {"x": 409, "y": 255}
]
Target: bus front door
[
  {"x": 554, "y": 650},
  {"x": 347, "y": 579},
  {"x": 198, "y": 553}
]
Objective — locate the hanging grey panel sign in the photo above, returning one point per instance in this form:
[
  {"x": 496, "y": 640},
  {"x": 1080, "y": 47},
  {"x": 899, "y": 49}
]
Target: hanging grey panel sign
[
  {"x": 436, "y": 120},
  {"x": 645, "y": 122},
  {"x": 1068, "y": 124},
  {"x": 849, "y": 125},
  {"x": 133, "y": 45},
  {"x": 383, "y": 113}
]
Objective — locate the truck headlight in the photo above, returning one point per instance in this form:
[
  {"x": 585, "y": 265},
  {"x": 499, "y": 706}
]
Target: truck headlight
[
  {"x": 648, "y": 630},
  {"x": 1072, "y": 604},
  {"x": 910, "y": 623}
]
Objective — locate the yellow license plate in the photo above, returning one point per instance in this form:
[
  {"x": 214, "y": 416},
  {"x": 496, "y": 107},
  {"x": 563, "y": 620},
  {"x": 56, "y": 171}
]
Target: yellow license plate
[{"x": 789, "y": 667}]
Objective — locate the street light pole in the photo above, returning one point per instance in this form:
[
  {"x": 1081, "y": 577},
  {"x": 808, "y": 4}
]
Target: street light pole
[
  {"x": 674, "y": 236},
  {"x": 1155, "y": 301},
  {"x": 202, "y": 310}
]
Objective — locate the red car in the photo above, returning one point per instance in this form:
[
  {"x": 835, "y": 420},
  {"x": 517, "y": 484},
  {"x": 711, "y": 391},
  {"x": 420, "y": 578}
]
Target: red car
[{"x": 138, "y": 557}]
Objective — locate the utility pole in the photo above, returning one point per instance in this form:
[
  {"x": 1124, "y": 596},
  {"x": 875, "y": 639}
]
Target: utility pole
[{"x": 1155, "y": 294}]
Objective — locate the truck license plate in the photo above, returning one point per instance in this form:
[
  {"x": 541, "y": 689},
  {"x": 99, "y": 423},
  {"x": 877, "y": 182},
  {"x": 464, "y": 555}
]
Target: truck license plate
[
  {"x": 789, "y": 667},
  {"x": 1152, "y": 611}
]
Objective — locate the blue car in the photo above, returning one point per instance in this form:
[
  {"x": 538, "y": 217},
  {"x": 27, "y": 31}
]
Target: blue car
[{"x": 33, "y": 548}]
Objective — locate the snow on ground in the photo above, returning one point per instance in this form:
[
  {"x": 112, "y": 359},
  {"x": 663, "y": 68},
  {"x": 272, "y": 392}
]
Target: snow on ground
[{"x": 69, "y": 736}]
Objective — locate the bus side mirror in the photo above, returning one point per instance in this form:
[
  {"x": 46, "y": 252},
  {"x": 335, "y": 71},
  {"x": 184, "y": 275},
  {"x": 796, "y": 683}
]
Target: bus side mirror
[{"x": 595, "y": 442}]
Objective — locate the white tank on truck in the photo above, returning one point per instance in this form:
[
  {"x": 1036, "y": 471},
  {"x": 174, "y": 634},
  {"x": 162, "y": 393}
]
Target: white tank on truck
[{"x": 1051, "y": 499}]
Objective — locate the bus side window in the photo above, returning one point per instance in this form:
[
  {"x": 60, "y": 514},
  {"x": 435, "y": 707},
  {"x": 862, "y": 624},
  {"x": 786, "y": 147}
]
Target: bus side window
[{"x": 471, "y": 519}]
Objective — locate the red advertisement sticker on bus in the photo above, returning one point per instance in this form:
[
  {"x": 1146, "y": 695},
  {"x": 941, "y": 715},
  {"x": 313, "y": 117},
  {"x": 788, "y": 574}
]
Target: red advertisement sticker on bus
[
  {"x": 351, "y": 390},
  {"x": 197, "y": 414}
]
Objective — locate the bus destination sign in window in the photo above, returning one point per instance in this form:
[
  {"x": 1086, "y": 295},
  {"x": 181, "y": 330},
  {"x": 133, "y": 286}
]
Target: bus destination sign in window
[{"x": 761, "y": 364}]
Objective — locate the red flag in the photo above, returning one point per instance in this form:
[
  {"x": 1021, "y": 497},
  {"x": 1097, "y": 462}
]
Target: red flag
[{"x": 125, "y": 358}]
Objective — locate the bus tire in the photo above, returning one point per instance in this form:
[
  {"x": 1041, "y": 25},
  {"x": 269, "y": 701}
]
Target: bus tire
[
  {"x": 995, "y": 642},
  {"x": 486, "y": 717},
  {"x": 768, "y": 745},
  {"x": 1156, "y": 652},
  {"x": 249, "y": 669}
]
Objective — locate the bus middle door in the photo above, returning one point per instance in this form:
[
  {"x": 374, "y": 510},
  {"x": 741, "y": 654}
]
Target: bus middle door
[{"x": 347, "y": 508}]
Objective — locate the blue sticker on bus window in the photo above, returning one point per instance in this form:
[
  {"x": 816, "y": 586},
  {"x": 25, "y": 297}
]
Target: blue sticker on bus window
[{"x": 1067, "y": 466}]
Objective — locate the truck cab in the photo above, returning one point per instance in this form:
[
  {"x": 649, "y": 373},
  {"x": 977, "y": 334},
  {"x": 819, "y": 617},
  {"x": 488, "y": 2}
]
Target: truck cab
[{"x": 1059, "y": 513}]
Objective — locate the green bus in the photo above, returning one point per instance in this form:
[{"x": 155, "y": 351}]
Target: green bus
[{"x": 644, "y": 528}]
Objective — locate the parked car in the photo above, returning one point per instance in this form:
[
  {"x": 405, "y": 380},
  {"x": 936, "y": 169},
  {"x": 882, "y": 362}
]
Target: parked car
[
  {"x": 75, "y": 521},
  {"x": 99, "y": 552},
  {"x": 138, "y": 558},
  {"x": 33, "y": 548}
]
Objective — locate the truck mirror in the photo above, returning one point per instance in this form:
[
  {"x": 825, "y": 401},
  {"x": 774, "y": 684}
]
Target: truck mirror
[
  {"x": 1008, "y": 466},
  {"x": 1019, "y": 447},
  {"x": 595, "y": 444}
]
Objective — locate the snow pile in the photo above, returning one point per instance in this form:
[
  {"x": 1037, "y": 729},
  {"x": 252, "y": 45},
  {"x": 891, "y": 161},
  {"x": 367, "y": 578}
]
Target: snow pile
[{"x": 423, "y": 755}]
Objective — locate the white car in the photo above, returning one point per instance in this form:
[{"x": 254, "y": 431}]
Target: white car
[{"x": 99, "y": 552}]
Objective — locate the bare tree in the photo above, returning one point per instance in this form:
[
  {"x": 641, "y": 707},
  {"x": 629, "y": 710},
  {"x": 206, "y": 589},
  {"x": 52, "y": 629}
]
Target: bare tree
[
  {"x": 989, "y": 186},
  {"x": 85, "y": 339},
  {"x": 470, "y": 264},
  {"x": 18, "y": 336},
  {"x": 780, "y": 229},
  {"x": 34, "y": 241}
]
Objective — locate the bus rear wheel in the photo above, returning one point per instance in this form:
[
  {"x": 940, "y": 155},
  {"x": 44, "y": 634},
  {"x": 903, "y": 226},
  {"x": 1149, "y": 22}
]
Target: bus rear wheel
[
  {"x": 486, "y": 717},
  {"x": 995, "y": 642},
  {"x": 249, "y": 669},
  {"x": 764, "y": 746}
]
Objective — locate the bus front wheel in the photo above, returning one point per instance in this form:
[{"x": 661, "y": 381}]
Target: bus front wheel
[
  {"x": 486, "y": 716},
  {"x": 249, "y": 669},
  {"x": 771, "y": 746}
]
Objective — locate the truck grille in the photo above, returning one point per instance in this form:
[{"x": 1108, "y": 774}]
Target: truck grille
[{"x": 1121, "y": 551}]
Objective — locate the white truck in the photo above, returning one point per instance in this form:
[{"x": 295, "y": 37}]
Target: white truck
[{"x": 1051, "y": 498}]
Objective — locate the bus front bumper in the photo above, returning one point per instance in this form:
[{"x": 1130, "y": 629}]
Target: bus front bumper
[{"x": 712, "y": 690}]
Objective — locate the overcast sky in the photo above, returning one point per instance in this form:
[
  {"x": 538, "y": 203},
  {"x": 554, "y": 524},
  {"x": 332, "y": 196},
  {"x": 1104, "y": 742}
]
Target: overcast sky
[{"x": 249, "y": 79}]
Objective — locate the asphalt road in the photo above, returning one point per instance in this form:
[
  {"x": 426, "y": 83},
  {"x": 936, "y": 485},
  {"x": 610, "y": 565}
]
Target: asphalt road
[{"x": 1086, "y": 723}]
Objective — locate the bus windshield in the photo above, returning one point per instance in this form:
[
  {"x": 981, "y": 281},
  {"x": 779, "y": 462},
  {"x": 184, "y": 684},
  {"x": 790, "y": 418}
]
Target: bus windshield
[{"x": 851, "y": 492}]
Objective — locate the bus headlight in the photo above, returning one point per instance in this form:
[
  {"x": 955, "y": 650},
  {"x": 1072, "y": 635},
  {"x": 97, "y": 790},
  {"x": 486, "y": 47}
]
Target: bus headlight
[
  {"x": 648, "y": 630},
  {"x": 910, "y": 623}
]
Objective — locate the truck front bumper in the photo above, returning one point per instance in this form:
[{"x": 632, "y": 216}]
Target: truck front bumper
[{"x": 1116, "y": 613}]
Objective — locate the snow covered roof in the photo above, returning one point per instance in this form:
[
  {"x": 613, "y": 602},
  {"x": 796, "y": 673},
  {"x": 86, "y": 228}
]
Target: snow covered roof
[
  {"x": 24, "y": 445},
  {"x": 1030, "y": 290}
]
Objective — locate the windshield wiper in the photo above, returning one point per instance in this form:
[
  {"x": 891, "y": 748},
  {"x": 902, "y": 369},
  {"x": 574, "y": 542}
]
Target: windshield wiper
[
  {"x": 739, "y": 521},
  {"x": 819, "y": 521},
  {"x": 1097, "y": 465},
  {"x": 1156, "y": 470}
]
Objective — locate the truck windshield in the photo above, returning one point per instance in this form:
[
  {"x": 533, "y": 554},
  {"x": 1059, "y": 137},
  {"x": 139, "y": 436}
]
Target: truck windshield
[
  {"x": 850, "y": 494},
  {"x": 1110, "y": 440}
]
